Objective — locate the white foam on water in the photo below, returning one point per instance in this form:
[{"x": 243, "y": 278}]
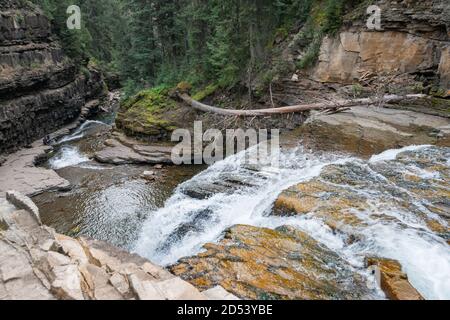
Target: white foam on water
[
  {"x": 403, "y": 236},
  {"x": 392, "y": 154},
  {"x": 80, "y": 132},
  {"x": 246, "y": 206},
  {"x": 95, "y": 166},
  {"x": 421, "y": 173},
  {"x": 68, "y": 156},
  {"x": 424, "y": 257}
]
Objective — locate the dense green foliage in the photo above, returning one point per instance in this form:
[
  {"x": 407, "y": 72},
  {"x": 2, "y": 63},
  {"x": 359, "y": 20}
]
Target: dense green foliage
[
  {"x": 204, "y": 41},
  {"x": 208, "y": 43},
  {"x": 101, "y": 32}
]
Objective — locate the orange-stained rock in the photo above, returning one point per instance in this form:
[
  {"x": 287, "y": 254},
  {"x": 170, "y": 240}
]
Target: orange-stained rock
[
  {"x": 335, "y": 205},
  {"x": 260, "y": 263},
  {"x": 437, "y": 227},
  {"x": 350, "y": 197},
  {"x": 347, "y": 57},
  {"x": 394, "y": 282}
]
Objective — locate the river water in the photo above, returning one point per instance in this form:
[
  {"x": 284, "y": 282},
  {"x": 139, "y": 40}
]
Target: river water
[
  {"x": 160, "y": 221},
  {"x": 106, "y": 202}
]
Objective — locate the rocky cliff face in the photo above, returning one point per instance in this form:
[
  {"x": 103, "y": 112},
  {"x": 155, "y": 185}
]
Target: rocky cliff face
[
  {"x": 409, "y": 54},
  {"x": 414, "y": 39},
  {"x": 41, "y": 89}
]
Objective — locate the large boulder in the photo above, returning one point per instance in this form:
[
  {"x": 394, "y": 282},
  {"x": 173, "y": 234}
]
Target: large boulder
[
  {"x": 153, "y": 115},
  {"x": 36, "y": 263},
  {"x": 260, "y": 263},
  {"x": 370, "y": 130}
]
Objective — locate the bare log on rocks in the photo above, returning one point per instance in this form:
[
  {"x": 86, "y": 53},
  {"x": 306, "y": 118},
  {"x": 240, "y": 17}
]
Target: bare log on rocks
[{"x": 332, "y": 106}]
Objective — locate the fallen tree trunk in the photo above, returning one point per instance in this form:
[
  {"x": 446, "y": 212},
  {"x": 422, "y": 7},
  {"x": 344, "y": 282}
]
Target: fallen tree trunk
[{"x": 332, "y": 106}]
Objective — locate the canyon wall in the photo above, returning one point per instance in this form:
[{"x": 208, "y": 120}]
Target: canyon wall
[
  {"x": 414, "y": 40},
  {"x": 41, "y": 89}
]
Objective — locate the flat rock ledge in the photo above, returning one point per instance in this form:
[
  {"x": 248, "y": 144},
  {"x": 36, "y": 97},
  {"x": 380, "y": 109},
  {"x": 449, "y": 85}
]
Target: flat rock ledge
[
  {"x": 36, "y": 263},
  {"x": 121, "y": 150},
  {"x": 19, "y": 172},
  {"x": 370, "y": 130}
]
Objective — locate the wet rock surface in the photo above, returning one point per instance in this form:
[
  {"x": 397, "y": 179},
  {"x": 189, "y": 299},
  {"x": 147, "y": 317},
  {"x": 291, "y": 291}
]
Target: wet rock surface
[
  {"x": 369, "y": 130},
  {"x": 125, "y": 152},
  {"x": 20, "y": 172},
  {"x": 251, "y": 262},
  {"x": 259, "y": 263},
  {"x": 395, "y": 205},
  {"x": 24, "y": 170},
  {"x": 352, "y": 196},
  {"x": 36, "y": 263},
  {"x": 393, "y": 281}
]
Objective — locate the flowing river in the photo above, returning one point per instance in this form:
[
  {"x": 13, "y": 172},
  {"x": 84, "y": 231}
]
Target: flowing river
[{"x": 173, "y": 217}]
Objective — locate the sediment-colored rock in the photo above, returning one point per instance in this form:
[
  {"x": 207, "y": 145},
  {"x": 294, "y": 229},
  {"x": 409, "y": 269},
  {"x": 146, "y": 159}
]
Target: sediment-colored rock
[
  {"x": 259, "y": 263},
  {"x": 36, "y": 263},
  {"x": 22, "y": 202},
  {"x": 369, "y": 130},
  {"x": 20, "y": 173},
  {"x": 219, "y": 293},
  {"x": 394, "y": 282},
  {"x": 413, "y": 39},
  {"x": 415, "y": 182},
  {"x": 115, "y": 152}
]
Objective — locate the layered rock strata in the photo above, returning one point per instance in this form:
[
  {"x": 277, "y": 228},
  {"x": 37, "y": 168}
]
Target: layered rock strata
[
  {"x": 414, "y": 39},
  {"x": 41, "y": 89}
]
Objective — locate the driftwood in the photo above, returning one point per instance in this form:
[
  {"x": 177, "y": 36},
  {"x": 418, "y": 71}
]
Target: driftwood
[{"x": 332, "y": 106}]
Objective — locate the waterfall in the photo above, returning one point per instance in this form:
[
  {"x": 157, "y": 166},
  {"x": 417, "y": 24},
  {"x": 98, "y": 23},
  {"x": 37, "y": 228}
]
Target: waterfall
[
  {"x": 81, "y": 131},
  {"x": 69, "y": 155},
  {"x": 185, "y": 224}
]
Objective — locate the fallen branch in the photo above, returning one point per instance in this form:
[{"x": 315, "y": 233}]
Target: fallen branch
[{"x": 332, "y": 106}]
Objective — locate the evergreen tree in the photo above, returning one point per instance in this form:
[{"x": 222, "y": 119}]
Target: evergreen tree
[{"x": 201, "y": 41}]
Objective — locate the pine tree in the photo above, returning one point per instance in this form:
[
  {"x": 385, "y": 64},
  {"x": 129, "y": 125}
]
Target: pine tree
[{"x": 201, "y": 41}]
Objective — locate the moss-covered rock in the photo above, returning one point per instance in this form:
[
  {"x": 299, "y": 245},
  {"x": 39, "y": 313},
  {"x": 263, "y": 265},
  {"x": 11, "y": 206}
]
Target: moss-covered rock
[
  {"x": 151, "y": 114},
  {"x": 184, "y": 87}
]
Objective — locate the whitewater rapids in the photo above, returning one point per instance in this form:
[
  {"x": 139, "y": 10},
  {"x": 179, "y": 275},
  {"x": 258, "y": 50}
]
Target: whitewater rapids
[{"x": 425, "y": 256}]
